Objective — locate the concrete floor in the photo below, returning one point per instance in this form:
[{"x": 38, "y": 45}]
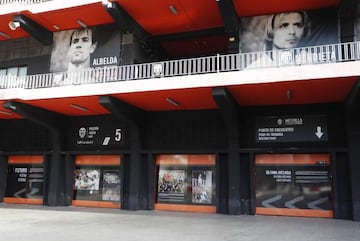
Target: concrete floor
[{"x": 35, "y": 223}]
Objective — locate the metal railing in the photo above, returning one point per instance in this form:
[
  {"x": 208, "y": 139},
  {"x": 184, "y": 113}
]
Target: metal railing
[
  {"x": 212, "y": 64},
  {"x": 22, "y": 2}
]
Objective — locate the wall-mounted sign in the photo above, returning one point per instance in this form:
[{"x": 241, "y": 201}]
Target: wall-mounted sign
[
  {"x": 96, "y": 135},
  {"x": 291, "y": 129}
]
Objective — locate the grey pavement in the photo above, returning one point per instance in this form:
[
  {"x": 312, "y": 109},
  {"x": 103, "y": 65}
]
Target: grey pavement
[{"x": 35, "y": 223}]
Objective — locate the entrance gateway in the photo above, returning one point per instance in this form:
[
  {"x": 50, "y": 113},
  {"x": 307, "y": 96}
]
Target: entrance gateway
[{"x": 293, "y": 185}]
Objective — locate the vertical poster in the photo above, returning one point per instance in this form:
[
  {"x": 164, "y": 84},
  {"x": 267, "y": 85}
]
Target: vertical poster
[
  {"x": 171, "y": 185},
  {"x": 201, "y": 186},
  {"x": 282, "y": 32},
  {"x": 111, "y": 186},
  {"x": 298, "y": 184}
]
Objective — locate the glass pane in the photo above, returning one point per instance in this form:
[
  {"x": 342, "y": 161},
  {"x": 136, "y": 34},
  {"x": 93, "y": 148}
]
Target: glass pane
[
  {"x": 13, "y": 71},
  {"x": 22, "y": 71}
]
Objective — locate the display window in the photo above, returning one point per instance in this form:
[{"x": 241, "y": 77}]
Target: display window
[
  {"x": 97, "y": 181},
  {"x": 25, "y": 180},
  {"x": 293, "y": 185},
  {"x": 186, "y": 183}
]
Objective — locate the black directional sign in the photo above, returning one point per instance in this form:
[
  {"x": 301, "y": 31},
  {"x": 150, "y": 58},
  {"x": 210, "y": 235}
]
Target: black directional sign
[{"x": 291, "y": 129}]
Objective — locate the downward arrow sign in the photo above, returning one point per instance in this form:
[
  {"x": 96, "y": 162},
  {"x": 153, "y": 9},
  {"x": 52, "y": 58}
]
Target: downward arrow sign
[{"x": 319, "y": 132}]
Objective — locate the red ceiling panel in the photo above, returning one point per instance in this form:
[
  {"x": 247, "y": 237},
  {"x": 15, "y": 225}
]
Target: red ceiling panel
[
  {"x": 63, "y": 106},
  {"x": 188, "y": 99},
  {"x": 156, "y": 17},
  {"x": 92, "y": 14},
  {"x": 302, "y": 92}
]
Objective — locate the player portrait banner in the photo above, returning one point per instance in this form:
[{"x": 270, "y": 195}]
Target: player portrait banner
[
  {"x": 104, "y": 49},
  {"x": 357, "y": 23},
  {"x": 320, "y": 27}
]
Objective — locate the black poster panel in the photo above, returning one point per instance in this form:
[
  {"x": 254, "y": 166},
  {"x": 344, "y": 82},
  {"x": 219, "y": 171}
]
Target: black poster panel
[
  {"x": 25, "y": 181},
  {"x": 293, "y": 186}
]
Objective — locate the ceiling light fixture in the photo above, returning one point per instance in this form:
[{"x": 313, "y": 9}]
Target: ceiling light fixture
[
  {"x": 81, "y": 23},
  {"x": 288, "y": 95},
  {"x": 78, "y": 107},
  {"x": 13, "y": 25},
  {"x": 232, "y": 39},
  {"x": 173, "y": 102},
  {"x": 13, "y": 107},
  {"x": 56, "y": 27},
  {"x": 4, "y": 35},
  {"x": 5, "y": 112},
  {"x": 173, "y": 10}
]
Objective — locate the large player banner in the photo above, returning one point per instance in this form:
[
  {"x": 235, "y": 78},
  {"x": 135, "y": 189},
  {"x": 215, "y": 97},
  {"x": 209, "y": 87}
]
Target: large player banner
[
  {"x": 293, "y": 184},
  {"x": 91, "y": 47},
  {"x": 289, "y": 30},
  {"x": 357, "y": 23}
]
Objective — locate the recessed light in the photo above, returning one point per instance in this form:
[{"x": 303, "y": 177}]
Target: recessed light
[
  {"x": 78, "y": 107},
  {"x": 232, "y": 39},
  {"x": 5, "y": 112},
  {"x": 4, "y": 35},
  {"x": 173, "y": 10},
  {"x": 81, "y": 23},
  {"x": 173, "y": 102}
]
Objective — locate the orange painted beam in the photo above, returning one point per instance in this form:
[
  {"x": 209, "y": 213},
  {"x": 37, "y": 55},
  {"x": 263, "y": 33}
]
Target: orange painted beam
[
  {"x": 98, "y": 204},
  {"x": 295, "y": 212},
  {"x": 185, "y": 208},
  {"x": 111, "y": 160}
]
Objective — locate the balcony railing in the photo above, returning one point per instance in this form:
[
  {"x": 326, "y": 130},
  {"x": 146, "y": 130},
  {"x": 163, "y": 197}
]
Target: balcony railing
[
  {"x": 22, "y": 2},
  {"x": 323, "y": 54}
]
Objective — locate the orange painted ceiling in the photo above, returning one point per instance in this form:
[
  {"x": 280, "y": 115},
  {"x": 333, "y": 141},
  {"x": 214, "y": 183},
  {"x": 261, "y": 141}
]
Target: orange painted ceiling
[{"x": 302, "y": 92}]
